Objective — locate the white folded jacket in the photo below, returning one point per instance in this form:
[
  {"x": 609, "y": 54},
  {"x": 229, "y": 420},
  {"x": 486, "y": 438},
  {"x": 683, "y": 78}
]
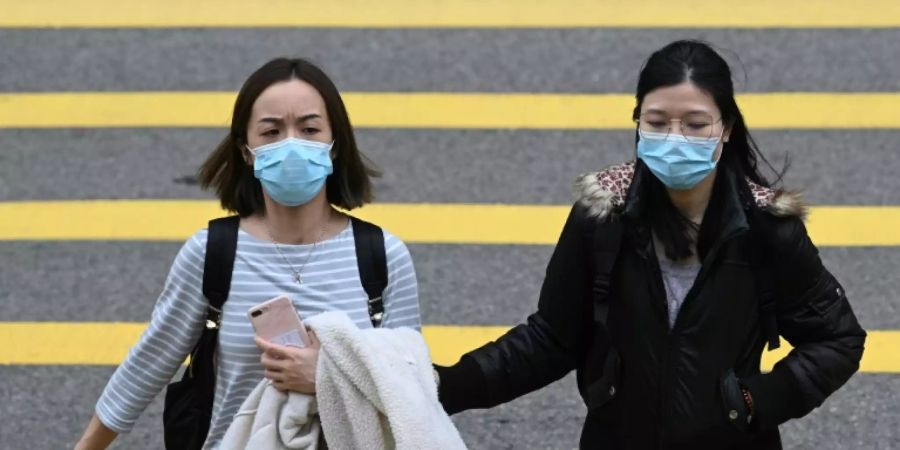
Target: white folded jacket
[{"x": 375, "y": 390}]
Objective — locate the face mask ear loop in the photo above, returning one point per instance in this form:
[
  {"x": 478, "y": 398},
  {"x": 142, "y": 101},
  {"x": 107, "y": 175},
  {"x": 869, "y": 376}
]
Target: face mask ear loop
[
  {"x": 251, "y": 150},
  {"x": 332, "y": 154},
  {"x": 252, "y": 158},
  {"x": 721, "y": 141}
]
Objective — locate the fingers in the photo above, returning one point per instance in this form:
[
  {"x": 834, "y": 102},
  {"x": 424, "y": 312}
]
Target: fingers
[
  {"x": 277, "y": 382},
  {"x": 272, "y": 363},
  {"x": 274, "y": 350}
]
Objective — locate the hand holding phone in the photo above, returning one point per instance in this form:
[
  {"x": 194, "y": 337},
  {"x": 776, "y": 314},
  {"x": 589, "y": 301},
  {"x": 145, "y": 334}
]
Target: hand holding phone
[{"x": 276, "y": 321}]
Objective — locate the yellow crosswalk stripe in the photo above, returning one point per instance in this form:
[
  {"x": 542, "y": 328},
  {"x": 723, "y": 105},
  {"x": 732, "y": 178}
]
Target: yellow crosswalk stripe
[
  {"x": 439, "y": 110},
  {"x": 437, "y": 13},
  {"x": 107, "y": 343},
  {"x": 175, "y": 220}
]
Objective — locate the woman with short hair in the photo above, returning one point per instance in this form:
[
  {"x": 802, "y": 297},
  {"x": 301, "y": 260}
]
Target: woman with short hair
[{"x": 289, "y": 167}]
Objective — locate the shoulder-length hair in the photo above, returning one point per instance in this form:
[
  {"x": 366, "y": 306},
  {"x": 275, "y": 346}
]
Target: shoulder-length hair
[{"x": 227, "y": 172}]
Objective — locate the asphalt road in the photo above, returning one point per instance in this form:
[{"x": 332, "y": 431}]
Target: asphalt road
[{"x": 45, "y": 407}]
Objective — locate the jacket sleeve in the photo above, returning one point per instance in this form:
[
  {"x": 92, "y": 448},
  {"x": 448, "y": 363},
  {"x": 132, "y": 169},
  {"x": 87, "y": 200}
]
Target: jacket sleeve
[
  {"x": 815, "y": 317},
  {"x": 534, "y": 354}
]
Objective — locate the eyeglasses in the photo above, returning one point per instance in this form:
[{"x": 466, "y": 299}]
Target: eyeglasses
[{"x": 696, "y": 127}]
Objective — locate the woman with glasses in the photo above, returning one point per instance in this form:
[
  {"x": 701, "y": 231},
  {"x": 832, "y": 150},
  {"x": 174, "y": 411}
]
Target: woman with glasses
[{"x": 671, "y": 276}]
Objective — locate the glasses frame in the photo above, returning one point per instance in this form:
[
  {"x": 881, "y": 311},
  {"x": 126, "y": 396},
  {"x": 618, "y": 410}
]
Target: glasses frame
[{"x": 637, "y": 122}]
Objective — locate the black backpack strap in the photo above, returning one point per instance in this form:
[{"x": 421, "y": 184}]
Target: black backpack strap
[
  {"x": 372, "y": 262},
  {"x": 221, "y": 247},
  {"x": 606, "y": 241},
  {"x": 189, "y": 402}
]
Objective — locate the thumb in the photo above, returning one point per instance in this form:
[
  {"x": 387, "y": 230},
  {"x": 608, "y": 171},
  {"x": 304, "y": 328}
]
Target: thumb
[{"x": 261, "y": 343}]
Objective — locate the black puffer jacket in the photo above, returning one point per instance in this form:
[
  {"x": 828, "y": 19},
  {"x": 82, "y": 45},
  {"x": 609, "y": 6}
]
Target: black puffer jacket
[{"x": 678, "y": 388}]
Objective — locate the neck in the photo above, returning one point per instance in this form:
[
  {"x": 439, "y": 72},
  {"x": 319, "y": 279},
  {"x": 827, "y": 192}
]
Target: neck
[
  {"x": 692, "y": 203},
  {"x": 304, "y": 224}
]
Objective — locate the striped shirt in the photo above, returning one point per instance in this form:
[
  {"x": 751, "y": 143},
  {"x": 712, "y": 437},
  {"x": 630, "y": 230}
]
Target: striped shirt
[{"x": 330, "y": 283}]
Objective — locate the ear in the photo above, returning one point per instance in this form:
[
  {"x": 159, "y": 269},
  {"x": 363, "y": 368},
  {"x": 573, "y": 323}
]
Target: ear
[
  {"x": 245, "y": 153},
  {"x": 333, "y": 153},
  {"x": 726, "y": 133}
]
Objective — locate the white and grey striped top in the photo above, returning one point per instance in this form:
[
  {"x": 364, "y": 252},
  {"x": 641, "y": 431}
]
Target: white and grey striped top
[{"x": 330, "y": 282}]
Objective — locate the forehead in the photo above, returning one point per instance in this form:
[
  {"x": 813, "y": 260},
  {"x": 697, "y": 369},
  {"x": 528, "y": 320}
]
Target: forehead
[
  {"x": 680, "y": 99},
  {"x": 288, "y": 98}
]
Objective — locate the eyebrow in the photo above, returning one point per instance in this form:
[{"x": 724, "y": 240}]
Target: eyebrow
[
  {"x": 694, "y": 111},
  {"x": 300, "y": 119}
]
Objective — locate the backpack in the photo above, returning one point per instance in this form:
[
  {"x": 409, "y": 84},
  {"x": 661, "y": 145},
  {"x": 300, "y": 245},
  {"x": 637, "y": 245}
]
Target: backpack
[
  {"x": 189, "y": 402},
  {"x": 606, "y": 241}
]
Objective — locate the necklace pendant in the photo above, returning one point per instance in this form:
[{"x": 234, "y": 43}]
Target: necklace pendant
[{"x": 298, "y": 279}]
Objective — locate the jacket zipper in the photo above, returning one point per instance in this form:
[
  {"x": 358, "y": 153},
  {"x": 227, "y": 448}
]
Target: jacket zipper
[
  {"x": 665, "y": 393},
  {"x": 704, "y": 271}
]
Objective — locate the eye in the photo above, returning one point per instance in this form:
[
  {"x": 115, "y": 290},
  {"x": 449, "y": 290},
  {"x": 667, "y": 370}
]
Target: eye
[
  {"x": 310, "y": 131},
  {"x": 656, "y": 124},
  {"x": 272, "y": 132},
  {"x": 697, "y": 126}
]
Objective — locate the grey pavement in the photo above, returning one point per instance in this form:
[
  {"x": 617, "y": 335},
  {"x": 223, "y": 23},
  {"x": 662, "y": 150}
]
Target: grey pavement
[
  {"x": 580, "y": 60},
  {"x": 459, "y": 284},
  {"x": 862, "y": 415},
  {"x": 46, "y": 407},
  {"x": 495, "y": 166}
]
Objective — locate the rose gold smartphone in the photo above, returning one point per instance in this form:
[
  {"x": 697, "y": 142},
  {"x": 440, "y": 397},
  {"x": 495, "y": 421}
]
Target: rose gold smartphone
[{"x": 277, "y": 321}]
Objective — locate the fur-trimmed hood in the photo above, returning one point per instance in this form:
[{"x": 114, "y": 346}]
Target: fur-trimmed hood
[{"x": 605, "y": 191}]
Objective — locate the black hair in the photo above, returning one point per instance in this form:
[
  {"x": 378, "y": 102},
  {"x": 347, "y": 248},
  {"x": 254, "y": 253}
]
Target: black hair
[
  {"x": 226, "y": 171},
  {"x": 698, "y": 63}
]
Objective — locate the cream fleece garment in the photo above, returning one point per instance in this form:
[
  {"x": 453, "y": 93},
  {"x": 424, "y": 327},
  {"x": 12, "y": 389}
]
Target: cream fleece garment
[
  {"x": 375, "y": 390},
  {"x": 273, "y": 420}
]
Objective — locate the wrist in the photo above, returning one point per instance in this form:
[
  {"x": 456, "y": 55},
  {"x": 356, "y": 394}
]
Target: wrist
[{"x": 460, "y": 385}]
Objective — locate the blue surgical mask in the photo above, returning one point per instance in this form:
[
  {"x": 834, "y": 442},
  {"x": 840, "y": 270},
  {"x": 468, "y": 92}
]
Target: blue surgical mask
[
  {"x": 677, "y": 162},
  {"x": 292, "y": 171}
]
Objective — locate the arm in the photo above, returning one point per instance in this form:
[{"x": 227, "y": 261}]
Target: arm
[
  {"x": 96, "y": 437},
  {"x": 173, "y": 330},
  {"x": 401, "y": 297},
  {"x": 815, "y": 317},
  {"x": 539, "y": 352}
]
